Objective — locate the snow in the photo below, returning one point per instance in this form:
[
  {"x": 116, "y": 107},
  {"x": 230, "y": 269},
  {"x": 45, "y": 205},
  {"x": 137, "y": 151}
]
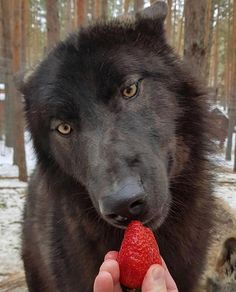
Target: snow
[
  {"x": 12, "y": 197},
  {"x": 12, "y": 184},
  {"x": 2, "y": 88},
  {"x": 11, "y": 209},
  {"x": 6, "y": 158},
  {"x": 221, "y": 108}
]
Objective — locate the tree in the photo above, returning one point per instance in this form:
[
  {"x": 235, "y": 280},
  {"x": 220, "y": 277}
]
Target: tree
[
  {"x": 169, "y": 20},
  {"x": 209, "y": 36},
  {"x": 104, "y": 9},
  {"x": 68, "y": 16},
  {"x": 126, "y": 6},
  {"x": 25, "y": 31},
  {"x": 232, "y": 105},
  {"x": 2, "y": 75},
  {"x": 6, "y": 8},
  {"x": 179, "y": 44},
  {"x": 216, "y": 53},
  {"x": 138, "y": 5},
  {"x": 80, "y": 12},
  {"x": 227, "y": 57},
  {"x": 53, "y": 25},
  {"x": 19, "y": 143},
  {"x": 96, "y": 12},
  {"x": 194, "y": 35},
  {"x": 6, "y": 57}
]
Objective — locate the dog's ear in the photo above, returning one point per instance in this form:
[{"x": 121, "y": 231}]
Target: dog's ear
[
  {"x": 157, "y": 11},
  {"x": 150, "y": 21},
  {"x": 23, "y": 82}
]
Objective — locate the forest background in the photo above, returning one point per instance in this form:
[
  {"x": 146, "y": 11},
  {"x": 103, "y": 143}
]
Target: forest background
[{"x": 203, "y": 33}]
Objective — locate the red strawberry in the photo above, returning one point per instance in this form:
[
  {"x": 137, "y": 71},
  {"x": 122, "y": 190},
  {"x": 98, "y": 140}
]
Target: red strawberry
[{"x": 139, "y": 250}]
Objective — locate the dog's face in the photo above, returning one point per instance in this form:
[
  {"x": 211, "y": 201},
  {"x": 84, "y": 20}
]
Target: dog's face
[{"x": 103, "y": 111}]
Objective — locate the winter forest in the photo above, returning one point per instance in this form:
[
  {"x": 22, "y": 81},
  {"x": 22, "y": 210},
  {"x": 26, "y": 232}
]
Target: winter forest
[{"x": 202, "y": 33}]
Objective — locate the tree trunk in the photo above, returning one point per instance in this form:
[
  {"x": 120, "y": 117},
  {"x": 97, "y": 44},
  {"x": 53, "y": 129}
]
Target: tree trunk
[
  {"x": 25, "y": 31},
  {"x": 96, "y": 10},
  {"x": 53, "y": 25},
  {"x": 80, "y": 12},
  {"x": 19, "y": 143},
  {"x": 179, "y": 44},
  {"x": 169, "y": 20},
  {"x": 234, "y": 169},
  {"x": 104, "y": 9},
  {"x": 126, "y": 6},
  {"x": 227, "y": 66},
  {"x": 2, "y": 79},
  {"x": 232, "y": 106},
  {"x": 6, "y": 7},
  {"x": 174, "y": 32},
  {"x": 194, "y": 36},
  {"x": 216, "y": 55},
  {"x": 68, "y": 17},
  {"x": 138, "y": 5},
  {"x": 209, "y": 36}
]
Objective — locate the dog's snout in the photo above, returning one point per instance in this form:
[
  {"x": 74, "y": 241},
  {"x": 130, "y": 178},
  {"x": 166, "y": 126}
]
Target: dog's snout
[{"x": 127, "y": 202}]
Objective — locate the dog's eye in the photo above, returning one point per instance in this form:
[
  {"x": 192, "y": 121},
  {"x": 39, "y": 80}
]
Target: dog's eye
[
  {"x": 130, "y": 91},
  {"x": 64, "y": 129}
]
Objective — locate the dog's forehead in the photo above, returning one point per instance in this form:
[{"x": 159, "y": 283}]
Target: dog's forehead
[
  {"x": 115, "y": 45},
  {"x": 121, "y": 59},
  {"x": 93, "y": 66},
  {"x": 101, "y": 68}
]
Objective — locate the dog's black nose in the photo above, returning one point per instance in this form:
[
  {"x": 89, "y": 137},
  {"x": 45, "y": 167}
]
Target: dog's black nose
[{"x": 127, "y": 202}]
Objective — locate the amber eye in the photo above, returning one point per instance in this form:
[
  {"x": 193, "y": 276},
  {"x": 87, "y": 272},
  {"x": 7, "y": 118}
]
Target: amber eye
[
  {"x": 64, "y": 129},
  {"x": 130, "y": 91}
]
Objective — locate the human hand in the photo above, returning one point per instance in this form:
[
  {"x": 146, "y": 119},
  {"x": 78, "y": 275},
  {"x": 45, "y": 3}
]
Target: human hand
[{"x": 157, "y": 279}]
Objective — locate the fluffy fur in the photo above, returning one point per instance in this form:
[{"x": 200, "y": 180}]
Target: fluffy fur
[{"x": 160, "y": 136}]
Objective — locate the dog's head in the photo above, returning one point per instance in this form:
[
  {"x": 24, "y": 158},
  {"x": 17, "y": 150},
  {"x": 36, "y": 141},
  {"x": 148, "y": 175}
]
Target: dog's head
[{"x": 103, "y": 107}]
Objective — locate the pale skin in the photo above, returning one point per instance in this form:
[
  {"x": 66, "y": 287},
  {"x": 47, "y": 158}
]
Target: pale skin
[{"x": 157, "y": 279}]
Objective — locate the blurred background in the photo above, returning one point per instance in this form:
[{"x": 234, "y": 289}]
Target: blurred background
[{"x": 202, "y": 32}]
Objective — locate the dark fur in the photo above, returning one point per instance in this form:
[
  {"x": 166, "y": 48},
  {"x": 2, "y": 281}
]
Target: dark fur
[
  {"x": 224, "y": 277},
  {"x": 159, "y": 136}
]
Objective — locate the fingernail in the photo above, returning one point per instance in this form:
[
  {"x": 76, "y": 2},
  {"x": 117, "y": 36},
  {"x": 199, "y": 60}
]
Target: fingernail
[{"x": 158, "y": 273}]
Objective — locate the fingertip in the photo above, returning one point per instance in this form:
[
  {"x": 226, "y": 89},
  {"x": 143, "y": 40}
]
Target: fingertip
[
  {"x": 154, "y": 280},
  {"x": 163, "y": 263},
  {"x": 112, "y": 267},
  {"x": 157, "y": 271},
  {"x": 109, "y": 265},
  {"x": 103, "y": 282},
  {"x": 111, "y": 255}
]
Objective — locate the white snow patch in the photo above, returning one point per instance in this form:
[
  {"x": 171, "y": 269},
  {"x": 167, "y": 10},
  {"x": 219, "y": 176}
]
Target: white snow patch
[
  {"x": 11, "y": 209},
  {"x": 6, "y": 158},
  {"x": 12, "y": 184}
]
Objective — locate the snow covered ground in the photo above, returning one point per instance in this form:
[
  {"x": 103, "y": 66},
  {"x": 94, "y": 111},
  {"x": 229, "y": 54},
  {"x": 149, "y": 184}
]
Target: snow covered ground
[
  {"x": 11, "y": 209},
  {"x": 12, "y": 196}
]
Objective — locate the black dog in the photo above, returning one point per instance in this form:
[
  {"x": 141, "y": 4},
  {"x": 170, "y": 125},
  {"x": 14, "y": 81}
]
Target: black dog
[{"x": 118, "y": 126}]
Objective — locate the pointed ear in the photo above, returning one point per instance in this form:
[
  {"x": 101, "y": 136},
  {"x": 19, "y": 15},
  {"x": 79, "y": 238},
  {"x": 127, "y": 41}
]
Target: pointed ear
[
  {"x": 157, "y": 11},
  {"x": 24, "y": 82}
]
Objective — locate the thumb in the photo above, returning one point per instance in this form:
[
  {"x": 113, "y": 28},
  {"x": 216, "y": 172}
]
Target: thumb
[{"x": 154, "y": 280}]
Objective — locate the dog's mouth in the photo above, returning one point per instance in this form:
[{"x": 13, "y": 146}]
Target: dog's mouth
[
  {"x": 123, "y": 222},
  {"x": 151, "y": 221},
  {"x": 132, "y": 201}
]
